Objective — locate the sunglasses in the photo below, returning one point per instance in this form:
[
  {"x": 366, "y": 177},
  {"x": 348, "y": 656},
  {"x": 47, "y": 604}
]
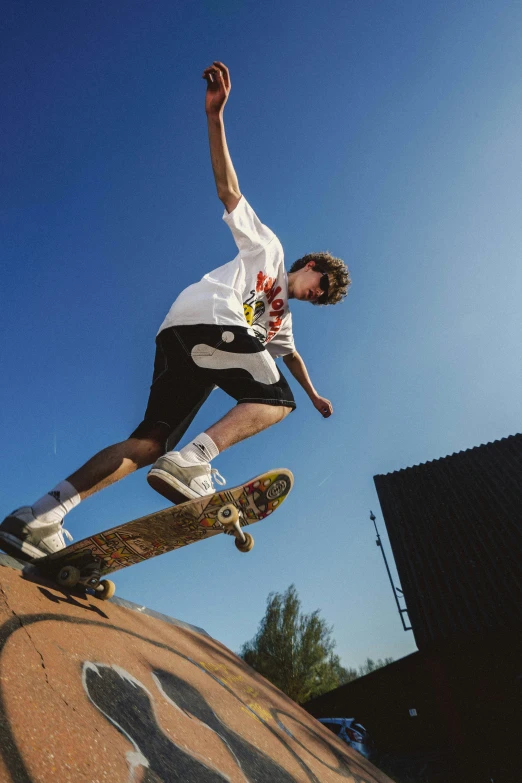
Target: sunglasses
[{"x": 324, "y": 283}]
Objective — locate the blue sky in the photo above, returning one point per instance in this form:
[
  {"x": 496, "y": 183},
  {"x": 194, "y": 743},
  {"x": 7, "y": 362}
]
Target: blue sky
[{"x": 387, "y": 133}]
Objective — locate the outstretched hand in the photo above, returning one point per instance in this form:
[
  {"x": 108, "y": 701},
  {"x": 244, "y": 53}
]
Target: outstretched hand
[
  {"x": 323, "y": 405},
  {"x": 218, "y": 87}
]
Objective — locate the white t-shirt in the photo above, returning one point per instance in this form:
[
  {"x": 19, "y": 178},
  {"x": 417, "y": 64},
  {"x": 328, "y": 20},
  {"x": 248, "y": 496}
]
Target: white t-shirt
[{"x": 251, "y": 290}]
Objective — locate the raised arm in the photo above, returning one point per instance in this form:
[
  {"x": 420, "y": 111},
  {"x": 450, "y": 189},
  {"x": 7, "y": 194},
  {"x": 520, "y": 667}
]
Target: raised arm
[{"x": 218, "y": 90}]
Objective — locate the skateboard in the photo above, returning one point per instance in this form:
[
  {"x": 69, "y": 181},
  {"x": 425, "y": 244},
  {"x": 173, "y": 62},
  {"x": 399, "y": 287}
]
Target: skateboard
[{"x": 83, "y": 564}]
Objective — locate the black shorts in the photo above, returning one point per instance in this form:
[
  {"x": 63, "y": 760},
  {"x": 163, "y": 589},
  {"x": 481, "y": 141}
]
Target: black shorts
[{"x": 191, "y": 360}]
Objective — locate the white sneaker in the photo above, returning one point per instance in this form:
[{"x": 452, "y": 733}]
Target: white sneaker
[
  {"x": 21, "y": 533},
  {"x": 179, "y": 480}
]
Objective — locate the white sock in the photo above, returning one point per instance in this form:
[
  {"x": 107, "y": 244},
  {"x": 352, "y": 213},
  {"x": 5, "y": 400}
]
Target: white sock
[
  {"x": 201, "y": 449},
  {"x": 57, "y": 503}
]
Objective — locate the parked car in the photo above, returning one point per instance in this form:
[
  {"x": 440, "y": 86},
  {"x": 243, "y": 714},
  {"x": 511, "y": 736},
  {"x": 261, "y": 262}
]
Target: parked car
[{"x": 351, "y": 732}]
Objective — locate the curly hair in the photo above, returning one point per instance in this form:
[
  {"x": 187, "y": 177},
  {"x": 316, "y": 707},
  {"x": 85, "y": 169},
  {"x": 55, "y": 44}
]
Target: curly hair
[{"x": 340, "y": 279}]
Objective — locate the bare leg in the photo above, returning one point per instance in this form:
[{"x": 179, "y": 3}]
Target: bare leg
[
  {"x": 245, "y": 420},
  {"x": 114, "y": 463},
  {"x": 117, "y": 461}
]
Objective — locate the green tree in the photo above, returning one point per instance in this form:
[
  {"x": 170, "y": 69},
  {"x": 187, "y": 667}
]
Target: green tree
[
  {"x": 295, "y": 650},
  {"x": 369, "y": 665}
]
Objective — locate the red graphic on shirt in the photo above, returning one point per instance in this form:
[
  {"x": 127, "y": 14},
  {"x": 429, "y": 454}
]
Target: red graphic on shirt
[
  {"x": 264, "y": 283},
  {"x": 267, "y": 285}
]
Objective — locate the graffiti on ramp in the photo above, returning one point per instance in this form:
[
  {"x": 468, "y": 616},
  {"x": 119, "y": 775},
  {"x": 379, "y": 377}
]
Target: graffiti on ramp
[{"x": 90, "y": 695}]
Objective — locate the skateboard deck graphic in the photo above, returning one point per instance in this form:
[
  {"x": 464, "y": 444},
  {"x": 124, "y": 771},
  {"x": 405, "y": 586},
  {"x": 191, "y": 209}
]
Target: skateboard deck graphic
[{"x": 169, "y": 529}]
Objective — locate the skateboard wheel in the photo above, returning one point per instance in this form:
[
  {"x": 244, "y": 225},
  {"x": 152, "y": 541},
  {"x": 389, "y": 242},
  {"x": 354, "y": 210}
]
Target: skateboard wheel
[
  {"x": 245, "y": 546},
  {"x": 228, "y": 515},
  {"x": 105, "y": 589},
  {"x": 68, "y": 576}
]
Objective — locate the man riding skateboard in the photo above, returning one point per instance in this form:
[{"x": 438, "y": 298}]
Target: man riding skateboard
[{"x": 223, "y": 331}]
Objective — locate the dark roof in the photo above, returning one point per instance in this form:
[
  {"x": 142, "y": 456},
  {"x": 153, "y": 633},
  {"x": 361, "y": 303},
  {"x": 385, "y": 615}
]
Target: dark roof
[{"x": 455, "y": 527}]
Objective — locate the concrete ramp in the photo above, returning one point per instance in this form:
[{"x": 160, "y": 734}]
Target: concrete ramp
[{"x": 94, "y": 691}]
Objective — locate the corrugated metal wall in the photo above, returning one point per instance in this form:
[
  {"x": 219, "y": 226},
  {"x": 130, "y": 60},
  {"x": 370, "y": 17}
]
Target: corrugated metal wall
[{"x": 455, "y": 527}]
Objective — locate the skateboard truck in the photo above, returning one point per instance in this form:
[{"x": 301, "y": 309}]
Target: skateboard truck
[
  {"x": 229, "y": 516},
  {"x": 70, "y": 576},
  {"x": 83, "y": 572}
]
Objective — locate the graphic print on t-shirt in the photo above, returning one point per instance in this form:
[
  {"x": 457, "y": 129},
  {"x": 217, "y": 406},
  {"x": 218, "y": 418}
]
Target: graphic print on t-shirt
[{"x": 254, "y": 307}]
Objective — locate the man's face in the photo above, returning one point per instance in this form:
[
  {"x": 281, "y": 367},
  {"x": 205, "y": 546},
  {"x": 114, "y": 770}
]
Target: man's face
[{"x": 307, "y": 284}]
